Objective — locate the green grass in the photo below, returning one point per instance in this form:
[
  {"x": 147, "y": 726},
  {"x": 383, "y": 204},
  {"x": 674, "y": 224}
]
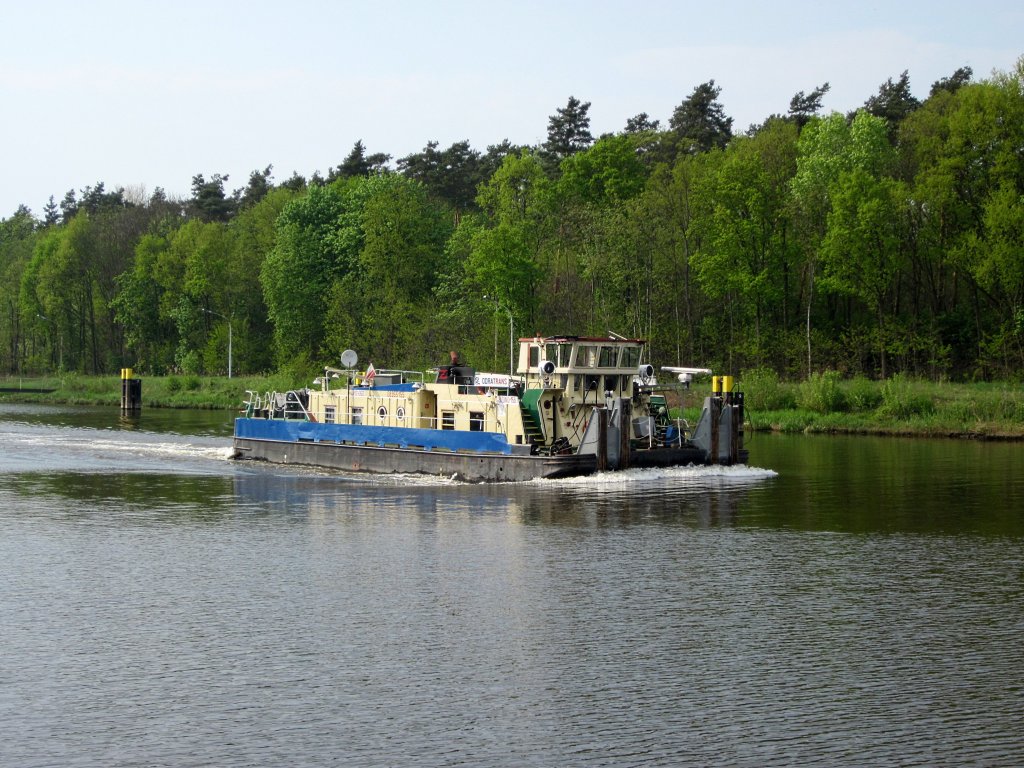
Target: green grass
[{"x": 898, "y": 406}]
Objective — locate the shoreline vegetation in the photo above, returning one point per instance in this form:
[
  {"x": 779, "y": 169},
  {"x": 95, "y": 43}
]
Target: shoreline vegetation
[
  {"x": 823, "y": 404},
  {"x": 882, "y": 239}
]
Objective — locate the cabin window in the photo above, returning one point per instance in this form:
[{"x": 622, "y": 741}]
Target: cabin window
[
  {"x": 551, "y": 353},
  {"x": 607, "y": 357},
  {"x": 357, "y": 415},
  {"x": 630, "y": 357},
  {"x": 611, "y": 383},
  {"x": 400, "y": 413},
  {"x": 476, "y": 421},
  {"x": 592, "y": 381},
  {"x": 565, "y": 355},
  {"x": 447, "y": 419},
  {"x": 586, "y": 357},
  {"x": 328, "y": 414},
  {"x": 625, "y": 384},
  {"x": 534, "y": 356},
  {"x": 382, "y": 413}
]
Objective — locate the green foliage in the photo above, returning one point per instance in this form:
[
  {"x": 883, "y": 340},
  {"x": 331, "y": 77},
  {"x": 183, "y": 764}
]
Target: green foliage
[
  {"x": 298, "y": 272},
  {"x": 887, "y": 240},
  {"x": 901, "y": 400},
  {"x": 863, "y": 394},
  {"x": 568, "y": 132},
  {"x": 822, "y": 393},
  {"x": 762, "y": 390},
  {"x": 610, "y": 172},
  {"x": 700, "y": 121}
]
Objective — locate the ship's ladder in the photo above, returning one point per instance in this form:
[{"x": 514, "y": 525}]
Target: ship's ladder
[{"x": 534, "y": 435}]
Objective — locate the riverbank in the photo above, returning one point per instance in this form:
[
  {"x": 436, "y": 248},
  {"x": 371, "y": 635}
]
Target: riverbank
[
  {"x": 199, "y": 392},
  {"x": 823, "y": 404},
  {"x": 898, "y": 406}
]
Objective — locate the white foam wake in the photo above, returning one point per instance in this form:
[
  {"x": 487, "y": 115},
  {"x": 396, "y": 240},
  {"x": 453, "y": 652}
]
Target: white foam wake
[{"x": 697, "y": 475}]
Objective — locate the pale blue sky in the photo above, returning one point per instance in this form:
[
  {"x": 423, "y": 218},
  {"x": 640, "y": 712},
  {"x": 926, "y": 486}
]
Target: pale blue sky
[{"x": 141, "y": 94}]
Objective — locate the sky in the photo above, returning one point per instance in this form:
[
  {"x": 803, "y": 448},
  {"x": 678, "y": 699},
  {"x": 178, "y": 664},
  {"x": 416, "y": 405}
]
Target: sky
[{"x": 143, "y": 95}]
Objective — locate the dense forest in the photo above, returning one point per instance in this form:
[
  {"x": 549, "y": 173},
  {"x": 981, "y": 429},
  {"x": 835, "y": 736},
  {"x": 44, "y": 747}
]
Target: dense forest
[{"x": 889, "y": 239}]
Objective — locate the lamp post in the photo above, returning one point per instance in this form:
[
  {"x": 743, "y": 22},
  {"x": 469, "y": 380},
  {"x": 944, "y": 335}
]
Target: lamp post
[
  {"x": 511, "y": 344},
  {"x": 218, "y": 314}
]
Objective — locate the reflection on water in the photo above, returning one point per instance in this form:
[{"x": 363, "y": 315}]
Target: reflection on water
[
  {"x": 125, "y": 495},
  {"x": 689, "y": 496},
  {"x": 850, "y": 602}
]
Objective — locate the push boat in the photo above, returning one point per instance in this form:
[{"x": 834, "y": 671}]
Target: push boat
[{"x": 578, "y": 405}]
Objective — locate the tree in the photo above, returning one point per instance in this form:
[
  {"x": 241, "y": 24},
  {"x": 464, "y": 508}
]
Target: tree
[
  {"x": 96, "y": 199},
  {"x": 501, "y": 265},
  {"x": 298, "y": 272},
  {"x": 150, "y": 334},
  {"x": 699, "y": 123},
  {"x": 59, "y": 286},
  {"x": 999, "y": 266},
  {"x": 253, "y": 237},
  {"x": 641, "y": 123},
  {"x": 514, "y": 201},
  {"x": 354, "y": 164},
  {"x": 18, "y": 239},
  {"x": 747, "y": 258},
  {"x": 861, "y": 253},
  {"x": 893, "y": 102},
  {"x": 568, "y": 132},
  {"x": 296, "y": 182},
  {"x": 610, "y": 171},
  {"x": 452, "y": 174},
  {"x": 358, "y": 163},
  {"x": 803, "y": 107},
  {"x": 68, "y": 206},
  {"x": 209, "y": 201},
  {"x": 50, "y": 215},
  {"x": 953, "y": 83},
  {"x": 822, "y": 156},
  {"x": 402, "y": 230},
  {"x": 257, "y": 188},
  {"x": 516, "y": 191}
]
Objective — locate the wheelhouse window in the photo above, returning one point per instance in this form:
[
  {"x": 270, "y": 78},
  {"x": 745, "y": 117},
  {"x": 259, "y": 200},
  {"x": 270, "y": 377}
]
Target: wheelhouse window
[
  {"x": 586, "y": 357},
  {"x": 551, "y": 353},
  {"x": 534, "y": 355},
  {"x": 630, "y": 357},
  {"x": 565, "y": 355},
  {"x": 608, "y": 355}
]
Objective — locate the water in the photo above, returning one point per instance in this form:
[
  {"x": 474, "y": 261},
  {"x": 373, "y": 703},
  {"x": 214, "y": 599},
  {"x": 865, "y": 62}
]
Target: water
[{"x": 840, "y": 602}]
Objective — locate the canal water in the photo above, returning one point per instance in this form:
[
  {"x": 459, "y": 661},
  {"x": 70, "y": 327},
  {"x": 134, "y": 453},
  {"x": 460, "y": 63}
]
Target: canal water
[{"x": 841, "y": 601}]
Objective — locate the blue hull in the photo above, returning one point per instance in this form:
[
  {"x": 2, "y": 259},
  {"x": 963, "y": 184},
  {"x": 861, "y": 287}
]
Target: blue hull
[{"x": 472, "y": 456}]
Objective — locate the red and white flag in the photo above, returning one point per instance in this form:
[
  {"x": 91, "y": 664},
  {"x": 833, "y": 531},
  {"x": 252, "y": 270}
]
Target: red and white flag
[{"x": 370, "y": 374}]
